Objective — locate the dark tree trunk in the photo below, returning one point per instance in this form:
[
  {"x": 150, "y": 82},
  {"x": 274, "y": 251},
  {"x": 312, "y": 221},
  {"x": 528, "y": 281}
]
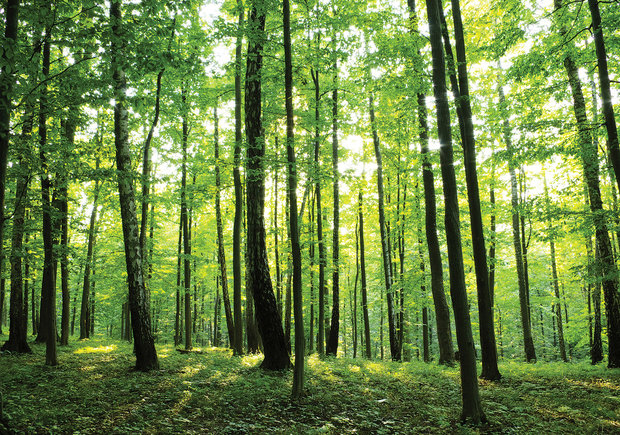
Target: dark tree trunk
[
  {"x": 177, "y": 313},
  {"x": 332, "y": 342},
  {"x": 258, "y": 279},
  {"x": 47, "y": 330},
  {"x": 363, "y": 274},
  {"x": 526, "y": 323},
  {"x": 607, "y": 267},
  {"x": 6, "y": 85},
  {"x": 608, "y": 108},
  {"x": 18, "y": 327},
  {"x": 472, "y": 407},
  {"x": 442, "y": 312},
  {"x": 311, "y": 256},
  {"x": 386, "y": 249},
  {"x": 64, "y": 244},
  {"x": 460, "y": 89},
  {"x": 319, "y": 213},
  {"x": 557, "y": 307},
  {"x": 187, "y": 243},
  {"x": 85, "y": 313},
  {"x": 238, "y": 345},
  {"x": 298, "y": 374},
  {"x": 146, "y": 355},
  {"x": 221, "y": 256}
]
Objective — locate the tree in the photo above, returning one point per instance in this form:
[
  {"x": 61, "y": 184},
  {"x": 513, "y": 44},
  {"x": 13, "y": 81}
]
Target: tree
[
  {"x": 526, "y": 322},
  {"x": 187, "y": 244},
  {"x": 298, "y": 374},
  {"x": 85, "y": 314},
  {"x": 363, "y": 273},
  {"x": 472, "y": 407},
  {"x": 144, "y": 346},
  {"x": 221, "y": 255},
  {"x": 257, "y": 275},
  {"x": 442, "y": 312},
  {"x": 386, "y": 249}
]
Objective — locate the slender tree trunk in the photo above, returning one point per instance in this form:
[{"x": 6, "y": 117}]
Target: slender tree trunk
[
  {"x": 334, "y": 330},
  {"x": 319, "y": 213},
  {"x": 258, "y": 279},
  {"x": 187, "y": 244},
  {"x": 221, "y": 256},
  {"x": 607, "y": 267},
  {"x": 238, "y": 345},
  {"x": 85, "y": 306},
  {"x": 460, "y": 89},
  {"x": 364, "y": 288},
  {"x": 311, "y": 255},
  {"x": 472, "y": 407},
  {"x": 47, "y": 330},
  {"x": 298, "y": 374},
  {"x": 442, "y": 312},
  {"x": 395, "y": 349},
  {"x": 64, "y": 243},
  {"x": 526, "y": 323},
  {"x": 7, "y": 72},
  {"x": 146, "y": 355},
  {"x": 557, "y": 307},
  {"x": 177, "y": 315}
]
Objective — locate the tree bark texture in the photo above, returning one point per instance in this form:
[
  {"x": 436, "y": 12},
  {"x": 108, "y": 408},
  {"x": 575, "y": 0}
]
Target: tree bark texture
[
  {"x": 144, "y": 346},
  {"x": 258, "y": 279},
  {"x": 472, "y": 407}
]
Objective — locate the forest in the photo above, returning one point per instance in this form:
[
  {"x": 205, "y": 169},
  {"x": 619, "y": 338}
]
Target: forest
[{"x": 309, "y": 216}]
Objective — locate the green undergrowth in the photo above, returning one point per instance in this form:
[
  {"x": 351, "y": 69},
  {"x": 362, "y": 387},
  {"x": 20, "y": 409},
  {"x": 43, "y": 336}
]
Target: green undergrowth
[{"x": 94, "y": 390}]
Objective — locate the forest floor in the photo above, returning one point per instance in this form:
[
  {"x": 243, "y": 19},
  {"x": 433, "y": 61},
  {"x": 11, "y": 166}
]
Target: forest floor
[{"x": 94, "y": 390}]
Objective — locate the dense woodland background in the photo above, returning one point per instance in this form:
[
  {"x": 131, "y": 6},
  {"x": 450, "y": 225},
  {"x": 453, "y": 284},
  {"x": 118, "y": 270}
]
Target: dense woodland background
[{"x": 269, "y": 177}]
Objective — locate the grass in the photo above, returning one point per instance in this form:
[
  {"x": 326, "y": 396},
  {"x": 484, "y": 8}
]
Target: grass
[{"x": 94, "y": 390}]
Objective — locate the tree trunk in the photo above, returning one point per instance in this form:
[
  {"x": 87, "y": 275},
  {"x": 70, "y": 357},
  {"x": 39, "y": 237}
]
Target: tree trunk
[
  {"x": 258, "y": 278},
  {"x": 85, "y": 306},
  {"x": 557, "y": 307},
  {"x": 298, "y": 373},
  {"x": 64, "y": 243},
  {"x": 442, "y": 312},
  {"x": 146, "y": 355},
  {"x": 187, "y": 244},
  {"x": 472, "y": 407},
  {"x": 607, "y": 267},
  {"x": 490, "y": 371},
  {"x": 319, "y": 212},
  {"x": 221, "y": 255},
  {"x": 332, "y": 342},
  {"x": 386, "y": 249},
  {"x": 526, "y": 323},
  {"x": 6, "y": 85},
  {"x": 364, "y": 288},
  {"x": 608, "y": 108}
]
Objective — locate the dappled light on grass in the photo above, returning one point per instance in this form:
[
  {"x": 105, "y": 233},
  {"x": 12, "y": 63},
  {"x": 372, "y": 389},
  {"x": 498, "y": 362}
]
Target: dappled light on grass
[{"x": 100, "y": 349}]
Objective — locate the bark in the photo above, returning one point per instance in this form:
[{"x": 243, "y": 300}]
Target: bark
[
  {"x": 608, "y": 108},
  {"x": 146, "y": 355},
  {"x": 177, "y": 313},
  {"x": 6, "y": 88},
  {"x": 298, "y": 373},
  {"x": 526, "y": 323},
  {"x": 221, "y": 255},
  {"x": 238, "y": 345},
  {"x": 557, "y": 306},
  {"x": 460, "y": 89},
  {"x": 364, "y": 289},
  {"x": 47, "y": 330},
  {"x": 395, "y": 348},
  {"x": 85, "y": 313},
  {"x": 606, "y": 269},
  {"x": 472, "y": 407},
  {"x": 258, "y": 278},
  {"x": 442, "y": 312},
  {"x": 319, "y": 212},
  {"x": 187, "y": 244},
  {"x": 64, "y": 243},
  {"x": 311, "y": 256},
  {"x": 332, "y": 342}
]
